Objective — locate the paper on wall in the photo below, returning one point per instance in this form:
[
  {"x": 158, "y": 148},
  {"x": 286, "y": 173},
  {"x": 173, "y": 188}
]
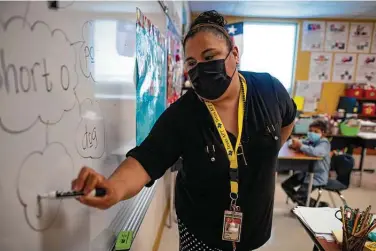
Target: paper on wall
[
  {"x": 313, "y": 36},
  {"x": 308, "y": 89},
  {"x": 320, "y": 66},
  {"x": 344, "y": 67},
  {"x": 310, "y": 105},
  {"x": 360, "y": 37},
  {"x": 366, "y": 70},
  {"x": 299, "y": 102},
  {"x": 336, "y": 36},
  {"x": 373, "y": 47},
  {"x": 311, "y": 91}
]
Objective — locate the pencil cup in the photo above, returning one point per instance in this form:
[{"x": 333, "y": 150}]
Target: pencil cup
[{"x": 351, "y": 242}]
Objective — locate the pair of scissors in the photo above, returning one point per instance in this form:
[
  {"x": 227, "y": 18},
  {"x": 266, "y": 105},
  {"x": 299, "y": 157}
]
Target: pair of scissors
[
  {"x": 346, "y": 218},
  {"x": 339, "y": 215},
  {"x": 347, "y": 210}
]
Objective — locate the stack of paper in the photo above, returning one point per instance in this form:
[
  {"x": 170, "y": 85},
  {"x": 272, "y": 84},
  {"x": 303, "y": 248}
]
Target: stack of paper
[
  {"x": 321, "y": 221},
  {"x": 338, "y": 236}
]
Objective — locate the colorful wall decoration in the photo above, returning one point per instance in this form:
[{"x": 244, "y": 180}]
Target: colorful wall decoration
[
  {"x": 150, "y": 75},
  {"x": 174, "y": 64}
]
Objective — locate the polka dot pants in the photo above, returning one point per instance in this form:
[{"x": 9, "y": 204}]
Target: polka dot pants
[{"x": 188, "y": 241}]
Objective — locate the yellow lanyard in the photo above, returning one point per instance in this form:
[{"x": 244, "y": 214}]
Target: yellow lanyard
[{"x": 231, "y": 152}]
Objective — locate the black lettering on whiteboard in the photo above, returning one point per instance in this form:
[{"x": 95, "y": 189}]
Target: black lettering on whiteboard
[
  {"x": 45, "y": 75},
  {"x": 64, "y": 71},
  {"x": 6, "y": 69},
  {"x": 33, "y": 75},
  {"x": 25, "y": 74},
  {"x": 14, "y": 79}
]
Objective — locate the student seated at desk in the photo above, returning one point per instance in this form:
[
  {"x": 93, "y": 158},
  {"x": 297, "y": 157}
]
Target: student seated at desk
[{"x": 316, "y": 145}]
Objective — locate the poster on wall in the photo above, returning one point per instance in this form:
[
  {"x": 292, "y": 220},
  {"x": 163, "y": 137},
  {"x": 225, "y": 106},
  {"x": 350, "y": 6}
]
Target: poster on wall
[
  {"x": 336, "y": 36},
  {"x": 313, "y": 36},
  {"x": 366, "y": 70},
  {"x": 174, "y": 64},
  {"x": 360, "y": 37},
  {"x": 308, "y": 88},
  {"x": 320, "y": 66},
  {"x": 311, "y": 92},
  {"x": 151, "y": 76},
  {"x": 373, "y": 47},
  {"x": 344, "y": 67}
]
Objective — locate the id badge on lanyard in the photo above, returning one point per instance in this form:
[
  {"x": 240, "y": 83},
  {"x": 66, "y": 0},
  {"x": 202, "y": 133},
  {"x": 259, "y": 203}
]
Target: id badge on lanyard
[{"x": 233, "y": 217}]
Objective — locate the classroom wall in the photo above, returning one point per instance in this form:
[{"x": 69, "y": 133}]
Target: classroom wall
[
  {"x": 149, "y": 234},
  {"x": 331, "y": 90}
]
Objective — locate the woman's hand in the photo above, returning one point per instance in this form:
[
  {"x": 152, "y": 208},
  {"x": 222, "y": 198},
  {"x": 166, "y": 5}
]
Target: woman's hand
[
  {"x": 87, "y": 180},
  {"x": 126, "y": 181}
]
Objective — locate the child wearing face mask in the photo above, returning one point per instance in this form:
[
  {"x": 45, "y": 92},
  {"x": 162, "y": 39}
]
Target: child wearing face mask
[{"x": 317, "y": 145}]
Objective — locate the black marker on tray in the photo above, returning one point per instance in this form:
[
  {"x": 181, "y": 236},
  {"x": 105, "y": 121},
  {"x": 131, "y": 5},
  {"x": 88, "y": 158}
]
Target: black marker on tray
[{"x": 97, "y": 192}]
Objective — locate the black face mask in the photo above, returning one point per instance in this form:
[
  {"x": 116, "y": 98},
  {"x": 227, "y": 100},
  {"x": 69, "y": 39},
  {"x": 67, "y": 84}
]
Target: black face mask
[{"x": 210, "y": 79}]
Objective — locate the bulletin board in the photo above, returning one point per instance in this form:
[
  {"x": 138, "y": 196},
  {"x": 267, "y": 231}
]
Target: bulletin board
[
  {"x": 174, "y": 64},
  {"x": 336, "y": 52},
  {"x": 151, "y": 75}
]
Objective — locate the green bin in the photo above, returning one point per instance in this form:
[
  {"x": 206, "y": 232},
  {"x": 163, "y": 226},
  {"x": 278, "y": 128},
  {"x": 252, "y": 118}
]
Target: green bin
[{"x": 349, "y": 130}]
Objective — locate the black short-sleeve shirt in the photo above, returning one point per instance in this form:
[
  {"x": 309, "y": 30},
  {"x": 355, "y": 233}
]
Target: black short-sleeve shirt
[{"x": 186, "y": 130}]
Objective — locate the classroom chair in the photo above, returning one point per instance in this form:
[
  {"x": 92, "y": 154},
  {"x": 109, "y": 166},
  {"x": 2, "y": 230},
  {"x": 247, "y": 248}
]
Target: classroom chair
[{"x": 342, "y": 165}]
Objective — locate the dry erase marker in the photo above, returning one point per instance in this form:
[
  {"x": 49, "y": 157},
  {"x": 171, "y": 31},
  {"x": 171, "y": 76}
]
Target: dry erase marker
[{"x": 97, "y": 192}]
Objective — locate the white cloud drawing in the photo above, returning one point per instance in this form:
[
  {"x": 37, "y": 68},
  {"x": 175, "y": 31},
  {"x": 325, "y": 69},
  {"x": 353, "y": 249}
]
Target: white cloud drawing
[
  {"x": 37, "y": 74},
  {"x": 90, "y": 136},
  {"x": 42, "y": 172}
]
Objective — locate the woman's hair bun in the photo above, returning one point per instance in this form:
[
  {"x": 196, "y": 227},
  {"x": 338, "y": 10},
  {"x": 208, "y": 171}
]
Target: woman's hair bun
[{"x": 209, "y": 17}]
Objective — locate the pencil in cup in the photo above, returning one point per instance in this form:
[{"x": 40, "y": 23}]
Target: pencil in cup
[
  {"x": 365, "y": 219},
  {"x": 357, "y": 215},
  {"x": 353, "y": 242},
  {"x": 356, "y": 226}
]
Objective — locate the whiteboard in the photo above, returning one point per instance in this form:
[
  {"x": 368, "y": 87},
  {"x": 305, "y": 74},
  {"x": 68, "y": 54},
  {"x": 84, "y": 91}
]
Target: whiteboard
[{"x": 67, "y": 99}]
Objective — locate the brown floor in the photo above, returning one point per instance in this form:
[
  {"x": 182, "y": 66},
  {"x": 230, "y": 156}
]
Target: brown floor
[{"x": 287, "y": 233}]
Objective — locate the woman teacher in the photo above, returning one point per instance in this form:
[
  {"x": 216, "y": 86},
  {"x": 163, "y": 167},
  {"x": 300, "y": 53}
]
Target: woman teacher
[{"x": 228, "y": 130}]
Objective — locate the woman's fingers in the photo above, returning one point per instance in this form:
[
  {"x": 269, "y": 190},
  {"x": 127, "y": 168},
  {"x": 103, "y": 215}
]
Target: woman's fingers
[
  {"x": 88, "y": 180},
  {"x": 91, "y": 183},
  {"x": 97, "y": 202},
  {"x": 73, "y": 184},
  {"x": 81, "y": 179},
  {"x": 101, "y": 202}
]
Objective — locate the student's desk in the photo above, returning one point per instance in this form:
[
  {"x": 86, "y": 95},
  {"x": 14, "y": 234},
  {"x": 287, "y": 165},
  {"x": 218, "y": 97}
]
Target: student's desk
[
  {"x": 339, "y": 141},
  {"x": 285, "y": 153},
  {"x": 320, "y": 243}
]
